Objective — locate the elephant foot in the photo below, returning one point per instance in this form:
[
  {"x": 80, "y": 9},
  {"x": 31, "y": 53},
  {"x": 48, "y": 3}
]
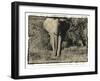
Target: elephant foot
[{"x": 58, "y": 55}]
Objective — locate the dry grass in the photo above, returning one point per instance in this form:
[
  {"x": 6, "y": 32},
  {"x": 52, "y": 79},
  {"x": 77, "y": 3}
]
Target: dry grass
[{"x": 68, "y": 55}]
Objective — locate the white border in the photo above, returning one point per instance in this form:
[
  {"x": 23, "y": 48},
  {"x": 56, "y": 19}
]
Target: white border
[{"x": 58, "y": 67}]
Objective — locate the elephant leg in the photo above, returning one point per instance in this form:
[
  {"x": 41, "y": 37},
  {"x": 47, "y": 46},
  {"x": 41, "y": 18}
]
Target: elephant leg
[
  {"x": 53, "y": 40},
  {"x": 59, "y": 45},
  {"x": 56, "y": 44}
]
